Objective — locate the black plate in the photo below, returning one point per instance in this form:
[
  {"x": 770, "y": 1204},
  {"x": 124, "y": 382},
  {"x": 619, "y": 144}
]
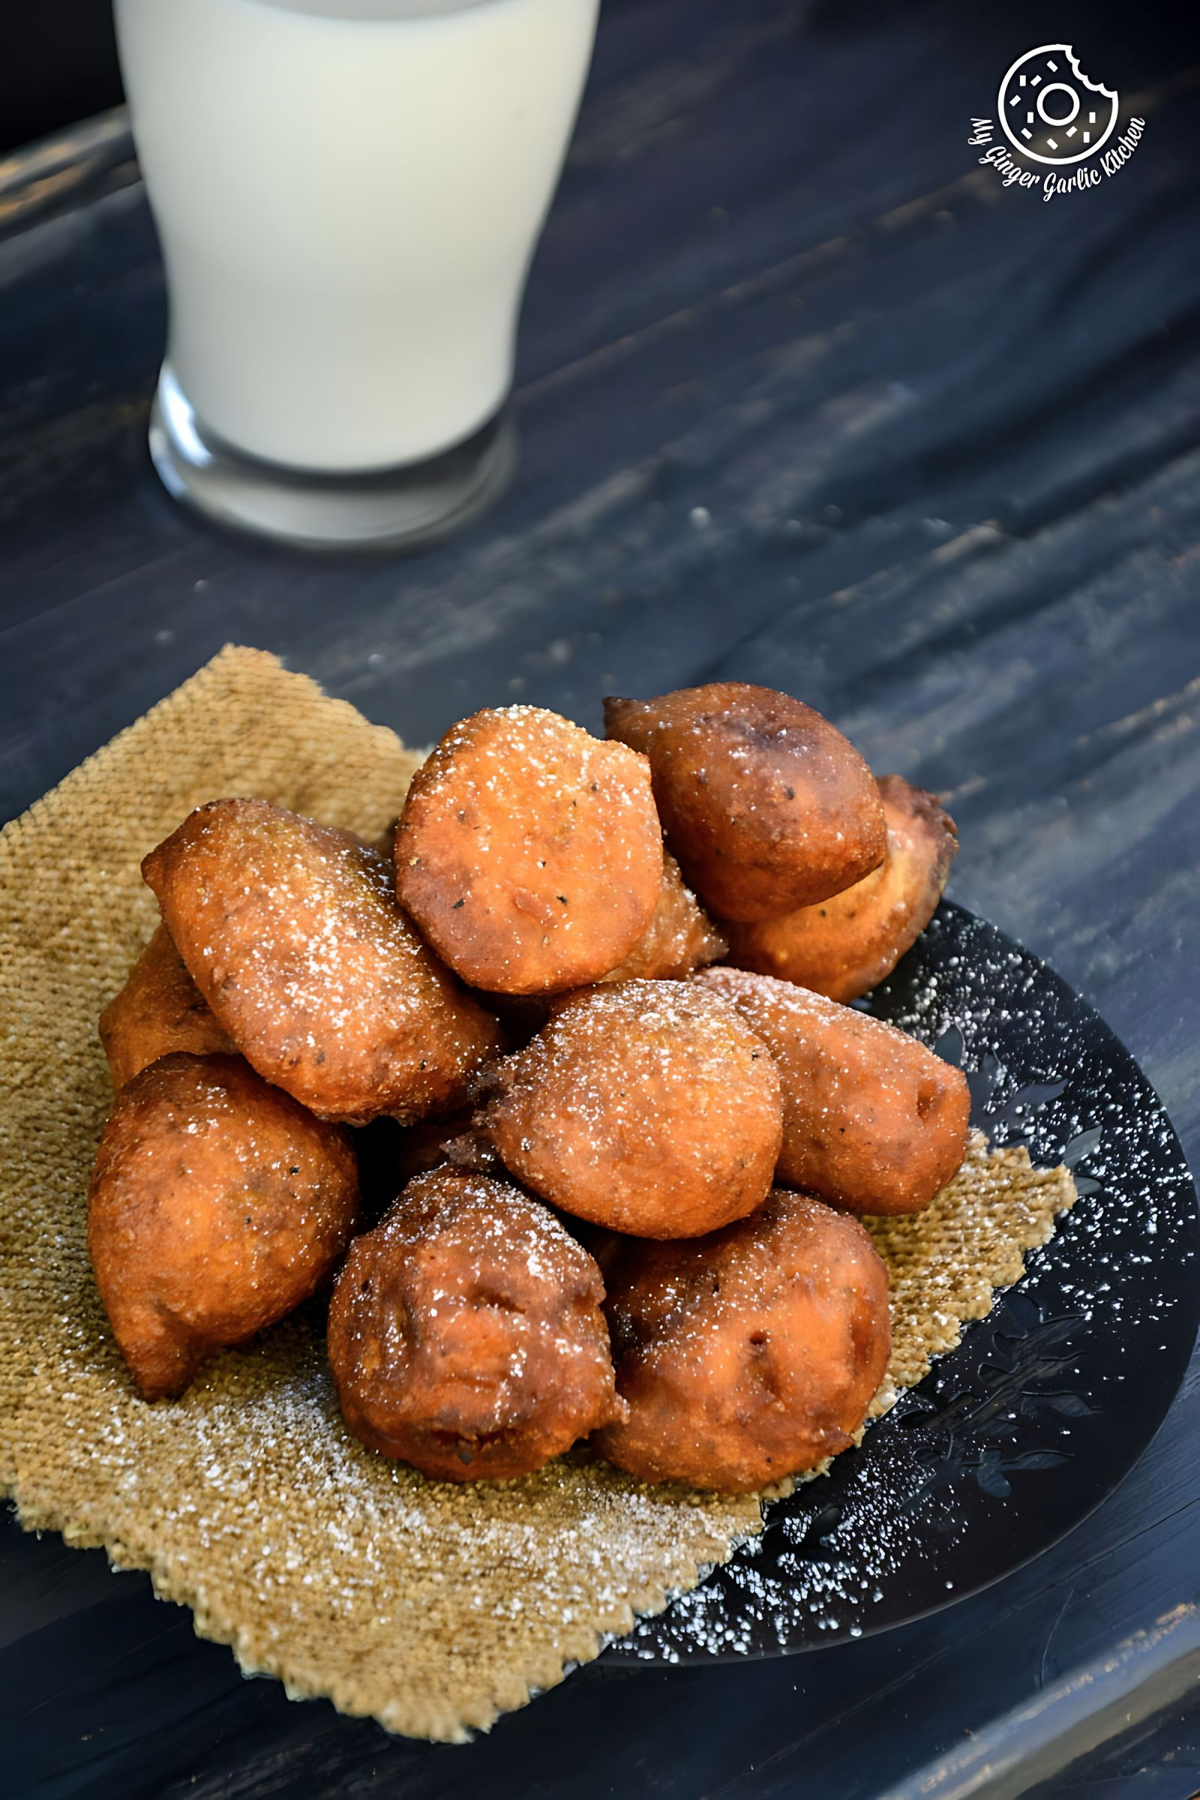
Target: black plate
[{"x": 1016, "y": 1435}]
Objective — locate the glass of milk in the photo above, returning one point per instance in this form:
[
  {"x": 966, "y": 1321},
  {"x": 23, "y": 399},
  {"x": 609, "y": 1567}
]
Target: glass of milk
[{"x": 348, "y": 194}]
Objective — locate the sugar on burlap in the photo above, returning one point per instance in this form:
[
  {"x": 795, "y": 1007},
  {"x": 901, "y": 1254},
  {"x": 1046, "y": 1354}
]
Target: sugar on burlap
[{"x": 433, "y": 1607}]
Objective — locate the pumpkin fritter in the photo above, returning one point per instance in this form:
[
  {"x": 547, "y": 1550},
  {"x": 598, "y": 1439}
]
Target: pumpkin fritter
[
  {"x": 748, "y": 1355},
  {"x": 158, "y": 1010},
  {"x": 872, "y": 1120},
  {"x": 529, "y": 852},
  {"x": 645, "y": 1106},
  {"x": 292, "y": 933},
  {"x": 465, "y": 1332},
  {"x": 765, "y": 804},
  {"x": 216, "y": 1206}
]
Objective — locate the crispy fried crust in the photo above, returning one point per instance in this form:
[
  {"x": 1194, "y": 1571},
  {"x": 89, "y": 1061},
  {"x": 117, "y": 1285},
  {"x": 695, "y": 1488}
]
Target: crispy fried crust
[
  {"x": 765, "y": 804},
  {"x": 872, "y": 1120},
  {"x": 748, "y": 1355},
  {"x": 645, "y": 1106},
  {"x": 160, "y": 1009},
  {"x": 217, "y": 1205},
  {"x": 851, "y": 941},
  {"x": 465, "y": 1332},
  {"x": 529, "y": 852},
  {"x": 292, "y": 933},
  {"x": 679, "y": 938}
]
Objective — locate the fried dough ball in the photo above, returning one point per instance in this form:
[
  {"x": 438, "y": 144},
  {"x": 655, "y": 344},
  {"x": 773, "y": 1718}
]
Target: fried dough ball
[
  {"x": 679, "y": 938},
  {"x": 529, "y": 852},
  {"x": 766, "y": 804},
  {"x": 159, "y": 1009},
  {"x": 292, "y": 933},
  {"x": 217, "y": 1205},
  {"x": 748, "y": 1355},
  {"x": 872, "y": 1120},
  {"x": 851, "y": 941},
  {"x": 645, "y": 1106},
  {"x": 465, "y": 1332}
]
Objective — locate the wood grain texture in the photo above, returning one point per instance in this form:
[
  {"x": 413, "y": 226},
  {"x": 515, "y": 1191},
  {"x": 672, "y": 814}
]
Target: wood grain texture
[{"x": 944, "y": 439}]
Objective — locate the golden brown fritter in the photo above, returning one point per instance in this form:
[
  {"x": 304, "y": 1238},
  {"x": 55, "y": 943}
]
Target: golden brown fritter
[
  {"x": 465, "y": 1332},
  {"x": 851, "y": 941},
  {"x": 645, "y": 1106},
  {"x": 217, "y": 1205},
  {"x": 292, "y": 933},
  {"x": 529, "y": 852},
  {"x": 765, "y": 804},
  {"x": 872, "y": 1120},
  {"x": 679, "y": 938},
  {"x": 159, "y": 1009},
  {"x": 748, "y": 1355}
]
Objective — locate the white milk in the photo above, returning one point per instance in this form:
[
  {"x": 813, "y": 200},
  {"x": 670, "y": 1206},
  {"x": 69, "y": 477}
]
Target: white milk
[{"x": 348, "y": 193}]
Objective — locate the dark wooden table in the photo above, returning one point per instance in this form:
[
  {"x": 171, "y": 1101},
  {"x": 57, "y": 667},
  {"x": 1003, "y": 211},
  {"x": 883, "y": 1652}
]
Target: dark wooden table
[{"x": 809, "y": 398}]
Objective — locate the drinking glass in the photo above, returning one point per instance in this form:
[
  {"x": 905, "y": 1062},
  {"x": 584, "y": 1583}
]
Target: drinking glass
[{"x": 348, "y": 194}]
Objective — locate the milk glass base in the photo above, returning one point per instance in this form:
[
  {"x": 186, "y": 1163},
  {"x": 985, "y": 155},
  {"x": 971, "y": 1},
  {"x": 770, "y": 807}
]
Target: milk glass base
[{"x": 388, "y": 509}]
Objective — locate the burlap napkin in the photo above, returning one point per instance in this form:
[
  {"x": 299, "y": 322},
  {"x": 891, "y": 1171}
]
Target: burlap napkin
[{"x": 432, "y": 1607}]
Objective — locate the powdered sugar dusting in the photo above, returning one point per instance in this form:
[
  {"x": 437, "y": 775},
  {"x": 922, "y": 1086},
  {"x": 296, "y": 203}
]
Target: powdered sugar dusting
[
  {"x": 530, "y": 852},
  {"x": 435, "y": 1608},
  {"x": 1038, "y": 1411},
  {"x": 292, "y": 933},
  {"x": 646, "y": 1106}
]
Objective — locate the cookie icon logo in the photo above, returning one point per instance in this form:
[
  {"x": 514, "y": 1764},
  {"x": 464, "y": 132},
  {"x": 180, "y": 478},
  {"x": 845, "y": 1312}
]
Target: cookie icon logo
[{"x": 1050, "y": 111}]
